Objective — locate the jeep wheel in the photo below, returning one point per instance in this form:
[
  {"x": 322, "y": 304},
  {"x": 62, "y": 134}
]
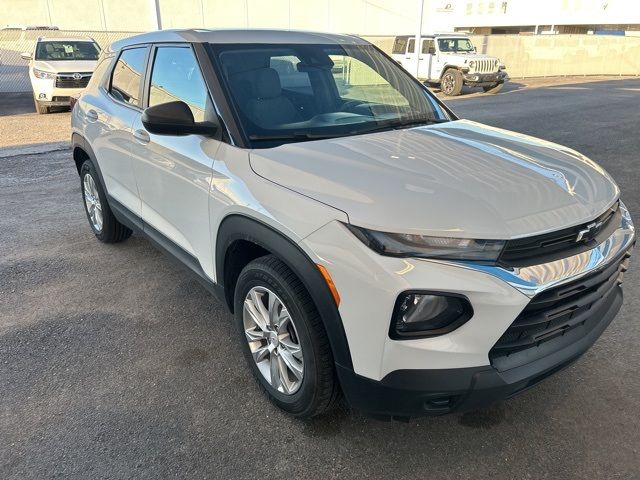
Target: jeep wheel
[
  {"x": 41, "y": 109},
  {"x": 283, "y": 338},
  {"x": 104, "y": 224},
  {"x": 451, "y": 83},
  {"x": 495, "y": 88}
]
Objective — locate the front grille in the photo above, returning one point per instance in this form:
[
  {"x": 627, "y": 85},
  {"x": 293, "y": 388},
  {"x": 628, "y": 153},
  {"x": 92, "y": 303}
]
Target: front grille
[
  {"x": 485, "y": 66},
  {"x": 558, "y": 316},
  {"x": 523, "y": 252},
  {"x": 66, "y": 80}
]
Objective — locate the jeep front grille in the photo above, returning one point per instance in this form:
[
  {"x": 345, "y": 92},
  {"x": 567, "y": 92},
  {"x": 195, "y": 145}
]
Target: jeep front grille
[{"x": 485, "y": 66}]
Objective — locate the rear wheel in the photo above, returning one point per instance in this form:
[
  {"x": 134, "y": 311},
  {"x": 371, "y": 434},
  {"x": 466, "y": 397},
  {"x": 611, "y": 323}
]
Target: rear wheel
[
  {"x": 41, "y": 109},
  {"x": 495, "y": 88},
  {"x": 283, "y": 338},
  {"x": 104, "y": 224},
  {"x": 451, "y": 82}
]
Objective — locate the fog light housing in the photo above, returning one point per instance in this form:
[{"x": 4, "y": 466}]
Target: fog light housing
[
  {"x": 42, "y": 96},
  {"x": 428, "y": 314}
]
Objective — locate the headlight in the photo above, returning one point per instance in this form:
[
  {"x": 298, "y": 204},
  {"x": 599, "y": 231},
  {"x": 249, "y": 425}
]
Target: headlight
[
  {"x": 42, "y": 74},
  {"x": 472, "y": 64},
  {"x": 446, "y": 248}
]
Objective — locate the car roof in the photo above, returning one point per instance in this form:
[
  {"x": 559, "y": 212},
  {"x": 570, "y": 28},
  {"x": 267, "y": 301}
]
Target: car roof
[
  {"x": 237, "y": 36},
  {"x": 65, "y": 39}
]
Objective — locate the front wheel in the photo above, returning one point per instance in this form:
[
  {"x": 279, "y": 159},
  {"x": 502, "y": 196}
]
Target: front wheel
[
  {"x": 451, "y": 82},
  {"x": 283, "y": 338},
  {"x": 495, "y": 88}
]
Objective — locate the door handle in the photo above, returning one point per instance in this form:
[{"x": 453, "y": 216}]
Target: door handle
[
  {"x": 92, "y": 115},
  {"x": 141, "y": 136}
]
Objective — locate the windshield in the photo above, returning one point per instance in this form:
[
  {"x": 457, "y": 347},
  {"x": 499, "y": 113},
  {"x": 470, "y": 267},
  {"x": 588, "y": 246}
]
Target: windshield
[
  {"x": 67, "y": 50},
  {"x": 455, "y": 45},
  {"x": 282, "y": 93}
]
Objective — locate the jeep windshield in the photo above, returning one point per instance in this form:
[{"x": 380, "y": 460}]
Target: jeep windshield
[
  {"x": 283, "y": 93},
  {"x": 67, "y": 50},
  {"x": 456, "y": 45}
]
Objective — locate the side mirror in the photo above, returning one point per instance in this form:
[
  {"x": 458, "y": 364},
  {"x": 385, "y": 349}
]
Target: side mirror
[
  {"x": 432, "y": 50},
  {"x": 25, "y": 56},
  {"x": 174, "y": 118}
]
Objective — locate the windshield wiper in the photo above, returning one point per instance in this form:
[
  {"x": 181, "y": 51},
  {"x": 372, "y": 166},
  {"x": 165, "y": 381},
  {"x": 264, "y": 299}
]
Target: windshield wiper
[
  {"x": 297, "y": 136},
  {"x": 402, "y": 123}
]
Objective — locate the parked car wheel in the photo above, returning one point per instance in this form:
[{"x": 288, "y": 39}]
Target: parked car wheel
[
  {"x": 283, "y": 338},
  {"x": 451, "y": 83},
  {"x": 493, "y": 88},
  {"x": 41, "y": 109},
  {"x": 104, "y": 224}
]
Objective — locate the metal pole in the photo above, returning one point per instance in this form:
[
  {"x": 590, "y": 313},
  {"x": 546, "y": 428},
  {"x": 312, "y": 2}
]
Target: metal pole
[
  {"x": 202, "y": 12},
  {"x": 49, "y": 13},
  {"x": 158, "y": 16},
  {"x": 417, "y": 49}
]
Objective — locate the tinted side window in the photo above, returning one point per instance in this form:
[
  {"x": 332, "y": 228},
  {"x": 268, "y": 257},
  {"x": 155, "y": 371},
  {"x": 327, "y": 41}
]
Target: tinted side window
[
  {"x": 427, "y": 44},
  {"x": 127, "y": 75},
  {"x": 400, "y": 45},
  {"x": 176, "y": 76}
]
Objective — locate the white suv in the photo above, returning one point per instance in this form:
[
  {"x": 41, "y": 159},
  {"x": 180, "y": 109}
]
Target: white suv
[
  {"x": 366, "y": 240},
  {"x": 450, "y": 61},
  {"x": 60, "y": 68}
]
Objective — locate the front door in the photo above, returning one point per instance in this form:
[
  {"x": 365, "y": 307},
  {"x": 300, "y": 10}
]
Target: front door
[{"x": 174, "y": 172}]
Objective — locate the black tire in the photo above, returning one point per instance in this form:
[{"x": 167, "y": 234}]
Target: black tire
[
  {"x": 451, "y": 82},
  {"x": 41, "y": 109},
  {"x": 112, "y": 230},
  {"x": 319, "y": 389},
  {"x": 493, "y": 89}
]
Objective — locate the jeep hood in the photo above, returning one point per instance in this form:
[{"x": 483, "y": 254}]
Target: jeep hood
[
  {"x": 459, "y": 179},
  {"x": 66, "y": 66}
]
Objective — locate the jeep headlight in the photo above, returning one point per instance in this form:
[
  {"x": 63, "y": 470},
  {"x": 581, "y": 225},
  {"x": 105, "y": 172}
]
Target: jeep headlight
[
  {"x": 444, "y": 248},
  {"x": 472, "y": 64},
  {"x": 42, "y": 74}
]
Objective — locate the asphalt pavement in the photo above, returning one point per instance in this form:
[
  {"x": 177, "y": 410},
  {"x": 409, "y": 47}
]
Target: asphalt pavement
[{"x": 114, "y": 363}]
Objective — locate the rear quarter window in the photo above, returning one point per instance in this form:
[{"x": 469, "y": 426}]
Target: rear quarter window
[{"x": 126, "y": 78}]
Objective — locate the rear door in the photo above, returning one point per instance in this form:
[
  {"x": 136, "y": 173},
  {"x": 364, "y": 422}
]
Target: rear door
[
  {"x": 109, "y": 126},
  {"x": 174, "y": 172}
]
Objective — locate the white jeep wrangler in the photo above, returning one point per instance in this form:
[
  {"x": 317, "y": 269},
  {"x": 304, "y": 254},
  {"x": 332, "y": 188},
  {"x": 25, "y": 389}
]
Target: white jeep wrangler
[{"x": 450, "y": 61}]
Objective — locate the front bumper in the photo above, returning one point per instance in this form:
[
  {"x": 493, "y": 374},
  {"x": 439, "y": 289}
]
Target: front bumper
[
  {"x": 412, "y": 393},
  {"x": 46, "y": 93},
  {"x": 485, "y": 79}
]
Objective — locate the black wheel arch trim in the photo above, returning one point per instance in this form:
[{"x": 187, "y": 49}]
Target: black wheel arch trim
[{"x": 240, "y": 227}]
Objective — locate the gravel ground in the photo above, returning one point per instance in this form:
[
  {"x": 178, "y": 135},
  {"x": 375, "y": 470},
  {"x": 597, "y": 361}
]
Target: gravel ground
[{"x": 114, "y": 363}]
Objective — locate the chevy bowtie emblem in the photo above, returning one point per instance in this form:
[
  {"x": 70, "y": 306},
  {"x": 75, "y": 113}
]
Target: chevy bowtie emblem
[
  {"x": 588, "y": 232},
  {"x": 77, "y": 76}
]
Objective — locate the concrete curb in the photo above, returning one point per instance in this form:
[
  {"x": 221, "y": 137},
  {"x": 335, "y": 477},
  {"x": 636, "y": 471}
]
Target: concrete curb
[{"x": 33, "y": 149}]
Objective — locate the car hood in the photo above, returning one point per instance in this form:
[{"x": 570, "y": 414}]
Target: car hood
[
  {"x": 67, "y": 66},
  {"x": 458, "y": 178}
]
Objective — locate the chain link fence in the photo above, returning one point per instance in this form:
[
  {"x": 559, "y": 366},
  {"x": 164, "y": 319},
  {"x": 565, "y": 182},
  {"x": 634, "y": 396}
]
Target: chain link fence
[{"x": 14, "y": 74}]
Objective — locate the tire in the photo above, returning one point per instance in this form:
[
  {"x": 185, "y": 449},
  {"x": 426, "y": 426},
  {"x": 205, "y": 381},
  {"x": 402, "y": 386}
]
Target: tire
[
  {"x": 493, "y": 89},
  {"x": 108, "y": 229},
  {"x": 41, "y": 109},
  {"x": 317, "y": 390},
  {"x": 451, "y": 82}
]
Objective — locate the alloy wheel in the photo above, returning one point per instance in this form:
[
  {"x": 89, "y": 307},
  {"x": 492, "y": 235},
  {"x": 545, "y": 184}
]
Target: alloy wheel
[
  {"x": 92, "y": 202},
  {"x": 273, "y": 340},
  {"x": 448, "y": 83}
]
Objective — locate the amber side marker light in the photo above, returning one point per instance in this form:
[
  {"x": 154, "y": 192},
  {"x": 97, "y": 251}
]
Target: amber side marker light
[{"x": 330, "y": 284}]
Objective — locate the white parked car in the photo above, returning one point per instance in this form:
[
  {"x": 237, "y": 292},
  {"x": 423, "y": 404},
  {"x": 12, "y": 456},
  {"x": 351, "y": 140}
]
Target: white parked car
[
  {"x": 60, "y": 68},
  {"x": 367, "y": 241},
  {"x": 450, "y": 61}
]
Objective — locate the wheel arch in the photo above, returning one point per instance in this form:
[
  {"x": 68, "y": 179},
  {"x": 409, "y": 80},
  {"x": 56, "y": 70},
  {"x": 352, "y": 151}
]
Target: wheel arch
[
  {"x": 238, "y": 232},
  {"x": 82, "y": 151}
]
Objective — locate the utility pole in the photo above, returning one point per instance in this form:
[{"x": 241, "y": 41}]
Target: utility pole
[
  {"x": 155, "y": 5},
  {"x": 418, "y": 48}
]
